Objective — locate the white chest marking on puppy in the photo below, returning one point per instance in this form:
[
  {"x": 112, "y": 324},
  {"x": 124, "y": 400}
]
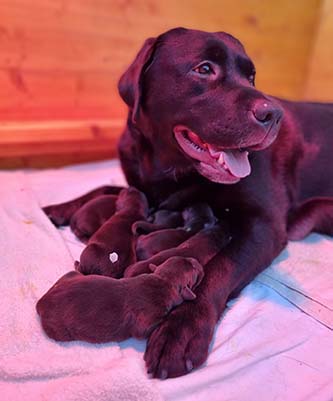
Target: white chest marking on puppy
[{"x": 113, "y": 257}]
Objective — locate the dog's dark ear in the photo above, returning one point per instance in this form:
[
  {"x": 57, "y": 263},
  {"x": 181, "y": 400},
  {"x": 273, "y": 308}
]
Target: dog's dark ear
[{"x": 129, "y": 85}]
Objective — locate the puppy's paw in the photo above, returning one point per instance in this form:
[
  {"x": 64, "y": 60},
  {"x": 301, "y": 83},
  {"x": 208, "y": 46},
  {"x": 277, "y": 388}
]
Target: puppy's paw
[{"x": 181, "y": 342}]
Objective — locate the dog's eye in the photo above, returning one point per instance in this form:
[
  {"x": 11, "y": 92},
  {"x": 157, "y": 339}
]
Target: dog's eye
[
  {"x": 252, "y": 78},
  {"x": 204, "y": 69}
]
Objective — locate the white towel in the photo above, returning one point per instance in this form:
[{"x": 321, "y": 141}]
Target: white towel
[
  {"x": 303, "y": 274},
  {"x": 264, "y": 347},
  {"x": 33, "y": 256}
]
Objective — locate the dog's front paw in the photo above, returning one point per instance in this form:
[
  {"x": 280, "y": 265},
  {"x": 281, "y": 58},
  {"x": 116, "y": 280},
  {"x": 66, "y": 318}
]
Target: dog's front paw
[{"x": 181, "y": 342}]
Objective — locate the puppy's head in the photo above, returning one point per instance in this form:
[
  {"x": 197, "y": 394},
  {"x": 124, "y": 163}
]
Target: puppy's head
[
  {"x": 198, "y": 216},
  {"x": 192, "y": 95},
  {"x": 183, "y": 273},
  {"x": 95, "y": 259},
  {"x": 48, "y": 298},
  {"x": 133, "y": 200}
]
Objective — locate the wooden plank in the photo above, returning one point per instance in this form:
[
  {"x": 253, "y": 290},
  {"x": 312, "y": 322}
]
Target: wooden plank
[
  {"x": 57, "y": 159},
  {"x": 35, "y": 132},
  {"x": 319, "y": 84},
  {"x": 51, "y": 143},
  {"x": 66, "y": 57}
]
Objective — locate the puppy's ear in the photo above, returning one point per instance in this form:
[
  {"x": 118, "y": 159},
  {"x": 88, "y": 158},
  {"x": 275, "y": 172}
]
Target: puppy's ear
[
  {"x": 187, "y": 294},
  {"x": 152, "y": 267},
  {"x": 130, "y": 84},
  {"x": 142, "y": 227}
]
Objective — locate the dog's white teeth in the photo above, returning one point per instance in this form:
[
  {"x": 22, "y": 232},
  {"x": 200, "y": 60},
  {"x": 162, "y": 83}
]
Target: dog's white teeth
[
  {"x": 197, "y": 147},
  {"x": 213, "y": 152},
  {"x": 220, "y": 160}
]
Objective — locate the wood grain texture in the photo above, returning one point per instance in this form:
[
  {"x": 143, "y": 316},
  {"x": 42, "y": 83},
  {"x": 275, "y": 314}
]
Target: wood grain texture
[
  {"x": 319, "y": 82},
  {"x": 60, "y": 60},
  {"x": 45, "y": 143}
]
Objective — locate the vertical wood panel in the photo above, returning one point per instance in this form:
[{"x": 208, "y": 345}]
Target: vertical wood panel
[
  {"x": 319, "y": 85},
  {"x": 62, "y": 59}
]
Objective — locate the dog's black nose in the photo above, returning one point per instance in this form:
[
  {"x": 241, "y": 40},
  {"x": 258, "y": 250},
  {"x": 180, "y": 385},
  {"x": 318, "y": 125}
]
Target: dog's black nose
[{"x": 265, "y": 113}]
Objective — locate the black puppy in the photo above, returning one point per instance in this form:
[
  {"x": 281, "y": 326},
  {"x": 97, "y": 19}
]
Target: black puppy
[
  {"x": 159, "y": 220},
  {"x": 196, "y": 119},
  {"x": 92, "y": 215},
  {"x": 101, "y": 309},
  {"x": 198, "y": 216},
  {"x": 195, "y": 218},
  {"x": 112, "y": 248}
]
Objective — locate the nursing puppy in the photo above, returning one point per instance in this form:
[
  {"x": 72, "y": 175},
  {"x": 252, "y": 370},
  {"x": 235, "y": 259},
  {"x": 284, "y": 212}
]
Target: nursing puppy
[
  {"x": 92, "y": 215},
  {"x": 195, "y": 218},
  {"x": 100, "y": 309},
  {"x": 112, "y": 248},
  {"x": 61, "y": 213},
  {"x": 157, "y": 241},
  {"x": 203, "y": 246},
  {"x": 192, "y": 218},
  {"x": 159, "y": 220},
  {"x": 198, "y": 216}
]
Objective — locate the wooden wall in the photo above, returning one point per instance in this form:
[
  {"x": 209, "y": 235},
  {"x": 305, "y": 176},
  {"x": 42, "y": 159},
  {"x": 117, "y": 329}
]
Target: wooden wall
[
  {"x": 60, "y": 61},
  {"x": 319, "y": 81}
]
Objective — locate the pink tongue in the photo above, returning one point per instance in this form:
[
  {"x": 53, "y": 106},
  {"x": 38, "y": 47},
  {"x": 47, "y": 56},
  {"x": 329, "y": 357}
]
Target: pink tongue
[{"x": 237, "y": 162}]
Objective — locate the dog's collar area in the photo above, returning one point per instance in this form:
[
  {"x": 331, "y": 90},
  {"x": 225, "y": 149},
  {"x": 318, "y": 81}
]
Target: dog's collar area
[{"x": 225, "y": 165}]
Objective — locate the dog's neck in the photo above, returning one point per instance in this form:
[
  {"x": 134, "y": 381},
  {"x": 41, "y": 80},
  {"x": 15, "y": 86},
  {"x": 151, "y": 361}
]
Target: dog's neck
[{"x": 157, "y": 183}]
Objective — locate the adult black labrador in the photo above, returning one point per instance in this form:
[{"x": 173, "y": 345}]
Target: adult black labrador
[{"x": 199, "y": 130}]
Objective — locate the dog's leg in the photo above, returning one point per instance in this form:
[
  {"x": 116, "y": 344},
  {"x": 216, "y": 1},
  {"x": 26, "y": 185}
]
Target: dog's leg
[
  {"x": 61, "y": 213},
  {"x": 315, "y": 214},
  {"x": 181, "y": 342}
]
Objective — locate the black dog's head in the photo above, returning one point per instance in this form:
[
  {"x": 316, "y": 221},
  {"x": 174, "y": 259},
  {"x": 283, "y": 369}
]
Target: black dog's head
[{"x": 192, "y": 95}]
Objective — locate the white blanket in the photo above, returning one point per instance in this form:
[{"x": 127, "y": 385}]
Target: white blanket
[{"x": 265, "y": 347}]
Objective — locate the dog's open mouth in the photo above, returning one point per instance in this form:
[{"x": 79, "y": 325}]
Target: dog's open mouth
[{"x": 219, "y": 165}]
